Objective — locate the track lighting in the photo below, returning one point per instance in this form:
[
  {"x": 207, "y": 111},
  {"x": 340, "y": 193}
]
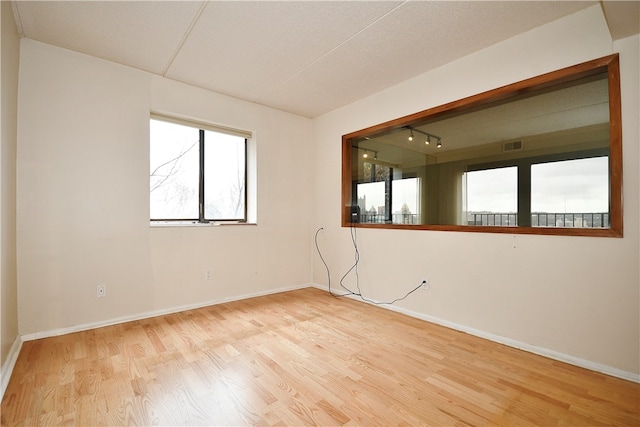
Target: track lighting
[
  {"x": 367, "y": 154},
  {"x": 428, "y": 137}
]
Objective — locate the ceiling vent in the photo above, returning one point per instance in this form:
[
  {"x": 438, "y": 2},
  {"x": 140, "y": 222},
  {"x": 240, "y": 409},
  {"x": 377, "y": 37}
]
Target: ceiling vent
[{"x": 512, "y": 146}]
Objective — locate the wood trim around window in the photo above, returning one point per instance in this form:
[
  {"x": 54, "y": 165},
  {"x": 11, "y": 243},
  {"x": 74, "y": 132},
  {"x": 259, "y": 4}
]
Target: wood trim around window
[{"x": 609, "y": 64}]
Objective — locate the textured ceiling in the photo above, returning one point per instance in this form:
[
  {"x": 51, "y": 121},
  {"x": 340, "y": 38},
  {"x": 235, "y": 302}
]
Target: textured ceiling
[{"x": 304, "y": 57}]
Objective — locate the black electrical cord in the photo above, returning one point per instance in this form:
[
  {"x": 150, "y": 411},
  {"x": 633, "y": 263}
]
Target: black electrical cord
[
  {"x": 327, "y": 267},
  {"x": 354, "y": 268}
]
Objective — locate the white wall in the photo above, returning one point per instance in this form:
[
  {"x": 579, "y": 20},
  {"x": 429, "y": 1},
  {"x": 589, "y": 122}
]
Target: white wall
[
  {"x": 575, "y": 296},
  {"x": 8, "y": 124},
  {"x": 83, "y": 202}
]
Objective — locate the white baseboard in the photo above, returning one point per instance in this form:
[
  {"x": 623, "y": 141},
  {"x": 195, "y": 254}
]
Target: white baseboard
[
  {"x": 154, "y": 313},
  {"x": 551, "y": 354},
  {"x": 9, "y": 364}
]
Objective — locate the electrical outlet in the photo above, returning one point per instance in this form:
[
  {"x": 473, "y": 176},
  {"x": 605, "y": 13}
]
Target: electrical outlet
[
  {"x": 425, "y": 284},
  {"x": 101, "y": 291},
  {"x": 207, "y": 274}
]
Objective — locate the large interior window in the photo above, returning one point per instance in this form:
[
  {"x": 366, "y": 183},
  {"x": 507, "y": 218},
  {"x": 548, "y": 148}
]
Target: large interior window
[
  {"x": 540, "y": 156},
  {"x": 196, "y": 174}
]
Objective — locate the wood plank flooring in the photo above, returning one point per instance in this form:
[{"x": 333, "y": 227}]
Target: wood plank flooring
[{"x": 301, "y": 358}]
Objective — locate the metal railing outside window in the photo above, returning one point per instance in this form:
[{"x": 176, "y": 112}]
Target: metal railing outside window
[{"x": 542, "y": 219}]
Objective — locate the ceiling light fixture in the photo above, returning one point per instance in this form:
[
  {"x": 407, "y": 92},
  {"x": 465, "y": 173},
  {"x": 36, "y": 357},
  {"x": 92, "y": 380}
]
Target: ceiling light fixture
[
  {"x": 367, "y": 154},
  {"x": 429, "y": 137}
]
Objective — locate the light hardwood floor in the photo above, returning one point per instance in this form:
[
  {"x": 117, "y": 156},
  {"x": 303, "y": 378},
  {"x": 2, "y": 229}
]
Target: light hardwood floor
[{"x": 301, "y": 358}]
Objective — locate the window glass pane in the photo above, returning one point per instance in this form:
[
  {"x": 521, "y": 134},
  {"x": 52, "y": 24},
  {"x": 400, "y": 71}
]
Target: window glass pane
[
  {"x": 173, "y": 171},
  {"x": 571, "y": 193},
  {"x": 405, "y": 203},
  {"x": 371, "y": 200},
  {"x": 224, "y": 159},
  {"x": 492, "y": 197}
]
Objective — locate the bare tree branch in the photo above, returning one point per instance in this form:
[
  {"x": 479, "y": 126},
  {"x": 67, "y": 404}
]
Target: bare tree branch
[{"x": 174, "y": 169}]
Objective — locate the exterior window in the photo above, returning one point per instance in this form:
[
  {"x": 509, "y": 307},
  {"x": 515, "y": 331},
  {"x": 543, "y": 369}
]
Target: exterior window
[
  {"x": 405, "y": 203},
  {"x": 492, "y": 197},
  {"x": 570, "y": 193},
  {"x": 373, "y": 194},
  {"x": 196, "y": 174},
  {"x": 541, "y": 192},
  {"x": 386, "y": 196}
]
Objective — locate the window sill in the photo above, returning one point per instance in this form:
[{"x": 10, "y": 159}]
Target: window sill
[{"x": 165, "y": 224}]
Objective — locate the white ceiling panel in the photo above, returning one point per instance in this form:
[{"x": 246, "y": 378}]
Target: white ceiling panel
[
  {"x": 412, "y": 39},
  {"x": 304, "y": 57},
  {"x": 246, "y": 48},
  {"x": 141, "y": 34}
]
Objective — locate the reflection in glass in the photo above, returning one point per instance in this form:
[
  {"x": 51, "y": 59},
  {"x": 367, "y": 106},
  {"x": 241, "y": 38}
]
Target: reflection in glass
[
  {"x": 371, "y": 201},
  {"x": 492, "y": 197},
  {"x": 570, "y": 193},
  {"x": 385, "y": 193},
  {"x": 405, "y": 202},
  {"x": 498, "y": 160}
]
